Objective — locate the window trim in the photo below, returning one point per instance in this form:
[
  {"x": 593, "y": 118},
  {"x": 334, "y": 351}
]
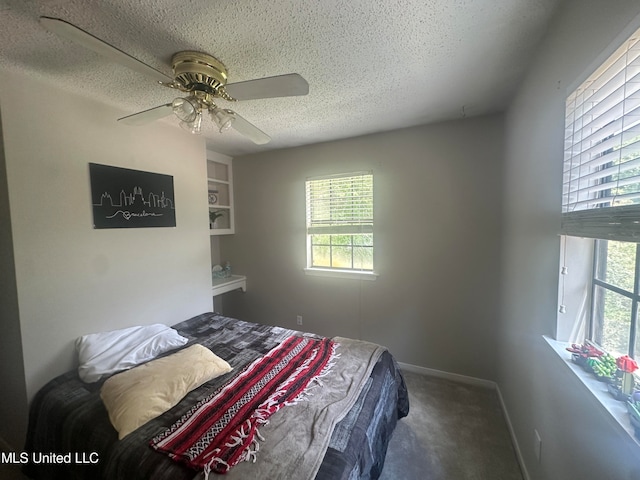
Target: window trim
[{"x": 339, "y": 273}]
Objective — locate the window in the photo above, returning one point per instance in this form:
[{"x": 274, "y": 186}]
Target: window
[
  {"x": 615, "y": 296},
  {"x": 601, "y": 173},
  {"x": 340, "y": 222},
  {"x": 601, "y": 200}
]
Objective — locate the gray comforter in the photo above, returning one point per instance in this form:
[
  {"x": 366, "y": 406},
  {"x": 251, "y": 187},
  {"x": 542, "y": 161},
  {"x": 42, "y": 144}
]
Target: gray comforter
[{"x": 68, "y": 416}]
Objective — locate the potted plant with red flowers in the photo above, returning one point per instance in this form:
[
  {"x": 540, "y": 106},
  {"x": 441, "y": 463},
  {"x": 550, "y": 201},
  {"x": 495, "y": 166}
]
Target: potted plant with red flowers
[{"x": 627, "y": 366}]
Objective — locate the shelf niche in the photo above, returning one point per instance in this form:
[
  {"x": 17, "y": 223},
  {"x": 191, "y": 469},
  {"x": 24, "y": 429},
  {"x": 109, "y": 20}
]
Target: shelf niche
[{"x": 220, "y": 190}]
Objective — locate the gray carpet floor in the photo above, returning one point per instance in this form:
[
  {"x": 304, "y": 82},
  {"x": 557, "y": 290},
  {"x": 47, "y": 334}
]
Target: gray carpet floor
[{"x": 454, "y": 431}]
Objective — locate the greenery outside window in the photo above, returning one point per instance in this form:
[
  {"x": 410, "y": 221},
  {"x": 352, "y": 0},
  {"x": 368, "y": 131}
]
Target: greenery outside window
[
  {"x": 340, "y": 222},
  {"x": 615, "y": 296}
]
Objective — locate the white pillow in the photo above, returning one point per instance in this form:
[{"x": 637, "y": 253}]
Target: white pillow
[
  {"x": 136, "y": 396},
  {"x": 101, "y": 354}
]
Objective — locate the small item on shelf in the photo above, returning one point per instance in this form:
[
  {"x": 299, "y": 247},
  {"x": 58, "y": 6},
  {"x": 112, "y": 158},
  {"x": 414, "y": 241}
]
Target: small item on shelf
[
  {"x": 584, "y": 355},
  {"x": 633, "y": 406},
  {"x": 627, "y": 366},
  {"x": 585, "y": 350},
  {"x": 213, "y": 216},
  {"x": 603, "y": 367},
  {"x": 616, "y": 372},
  {"x": 616, "y": 392},
  {"x": 219, "y": 271},
  {"x": 628, "y": 383}
]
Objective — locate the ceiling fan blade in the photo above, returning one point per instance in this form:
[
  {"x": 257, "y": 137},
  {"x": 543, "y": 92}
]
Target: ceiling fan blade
[
  {"x": 147, "y": 116},
  {"x": 289, "y": 85},
  {"x": 77, "y": 35},
  {"x": 249, "y": 130}
]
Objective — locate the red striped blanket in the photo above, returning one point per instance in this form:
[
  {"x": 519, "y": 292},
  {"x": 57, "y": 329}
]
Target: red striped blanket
[{"x": 220, "y": 431}]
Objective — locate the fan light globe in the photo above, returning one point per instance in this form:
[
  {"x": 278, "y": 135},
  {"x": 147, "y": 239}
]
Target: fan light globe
[
  {"x": 193, "y": 126},
  {"x": 186, "y": 109},
  {"x": 222, "y": 118}
]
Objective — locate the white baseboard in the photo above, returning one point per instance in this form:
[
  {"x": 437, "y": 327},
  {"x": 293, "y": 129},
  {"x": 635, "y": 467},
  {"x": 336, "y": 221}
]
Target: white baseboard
[
  {"x": 512, "y": 432},
  {"x": 480, "y": 383}
]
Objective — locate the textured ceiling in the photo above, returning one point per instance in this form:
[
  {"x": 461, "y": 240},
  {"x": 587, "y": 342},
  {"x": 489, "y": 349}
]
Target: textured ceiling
[{"x": 371, "y": 65}]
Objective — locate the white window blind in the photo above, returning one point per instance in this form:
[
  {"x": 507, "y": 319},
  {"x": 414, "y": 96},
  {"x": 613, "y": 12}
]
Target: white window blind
[
  {"x": 601, "y": 172},
  {"x": 341, "y": 204}
]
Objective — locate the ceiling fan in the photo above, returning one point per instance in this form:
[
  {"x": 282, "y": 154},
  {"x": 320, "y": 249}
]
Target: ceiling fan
[{"x": 203, "y": 79}]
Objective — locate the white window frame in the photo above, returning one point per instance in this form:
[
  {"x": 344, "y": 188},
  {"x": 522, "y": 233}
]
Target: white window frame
[{"x": 360, "y": 221}]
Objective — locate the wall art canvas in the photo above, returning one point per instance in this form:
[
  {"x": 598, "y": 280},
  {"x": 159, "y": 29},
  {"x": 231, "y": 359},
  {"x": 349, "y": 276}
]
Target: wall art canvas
[{"x": 125, "y": 198}]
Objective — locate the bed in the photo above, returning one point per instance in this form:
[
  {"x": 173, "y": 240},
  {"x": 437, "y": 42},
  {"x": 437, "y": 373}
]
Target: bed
[{"x": 337, "y": 428}]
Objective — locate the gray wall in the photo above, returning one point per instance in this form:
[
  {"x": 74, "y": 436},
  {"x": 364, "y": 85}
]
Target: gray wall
[
  {"x": 578, "y": 440},
  {"x": 437, "y": 230},
  {"x": 72, "y": 279}
]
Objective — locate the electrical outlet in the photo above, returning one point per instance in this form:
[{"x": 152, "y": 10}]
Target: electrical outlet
[
  {"x": 537, "y": 445},
  {"x": 299, "y": 319}
]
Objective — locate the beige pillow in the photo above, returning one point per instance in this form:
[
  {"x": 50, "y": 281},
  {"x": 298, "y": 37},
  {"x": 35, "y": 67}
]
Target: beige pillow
[{"x": 138, "y": 395}]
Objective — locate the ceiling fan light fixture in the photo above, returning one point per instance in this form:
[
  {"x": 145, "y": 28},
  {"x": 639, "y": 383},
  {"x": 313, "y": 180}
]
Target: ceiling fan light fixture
[
  {"x": 199, "y": 75},
  {"x": 186, "y": 109},
  {"x": 194, "y": 126},
  {"x": 223, "y": 118}
]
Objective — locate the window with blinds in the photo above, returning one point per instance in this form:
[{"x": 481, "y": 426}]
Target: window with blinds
[
  {"x": 601, "y": 200},
  {"x": 602, "y": 150},
  {"x": 340, "y": 222}
]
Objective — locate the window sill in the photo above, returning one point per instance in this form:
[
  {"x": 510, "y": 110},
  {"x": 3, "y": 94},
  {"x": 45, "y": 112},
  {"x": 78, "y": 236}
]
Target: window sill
[
  {"x": 329, "y": 272},
  {"x": 615, "y": 410}
]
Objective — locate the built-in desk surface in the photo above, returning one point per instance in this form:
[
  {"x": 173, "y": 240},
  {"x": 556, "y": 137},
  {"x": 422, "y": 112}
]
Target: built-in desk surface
[{"x": 224, "y": 285}]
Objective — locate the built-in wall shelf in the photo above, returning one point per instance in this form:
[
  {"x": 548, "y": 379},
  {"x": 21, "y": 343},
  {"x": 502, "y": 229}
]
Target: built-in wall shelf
[
  {"x": 224, "y": 285},
  {"x": 220, "y": 185}
]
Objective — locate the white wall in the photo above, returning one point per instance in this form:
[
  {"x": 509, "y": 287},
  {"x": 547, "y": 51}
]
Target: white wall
[
  {"x": 578, "y": 441},
  {"x": 436, "y": 235},
  {"x": 72, "y": 279}
]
